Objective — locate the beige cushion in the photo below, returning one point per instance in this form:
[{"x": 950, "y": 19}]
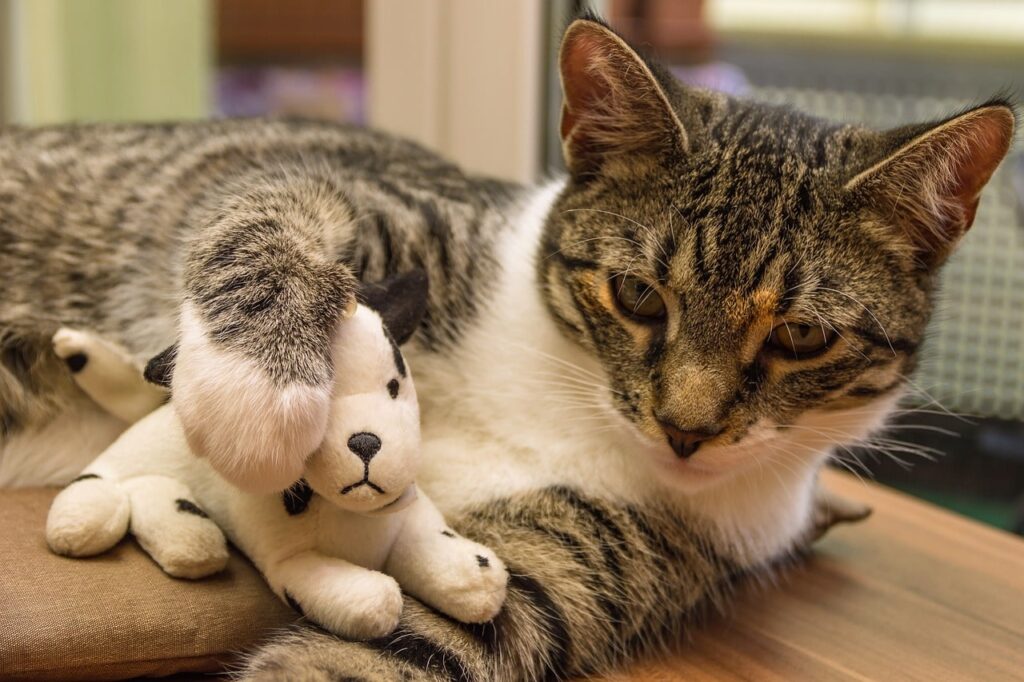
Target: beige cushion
[{"x": 117, "y": 615}]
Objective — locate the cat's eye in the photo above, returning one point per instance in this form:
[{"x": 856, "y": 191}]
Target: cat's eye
[
  {"x": 801, "y": 340},
  {"x": 637, "y": 298}
]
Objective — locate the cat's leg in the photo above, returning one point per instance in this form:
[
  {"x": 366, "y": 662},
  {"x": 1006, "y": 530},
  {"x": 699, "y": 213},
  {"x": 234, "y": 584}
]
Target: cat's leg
[
  {"x": 107, "y": 374},
  {"x": 830, "y": 510},
  {"x": 346, "y": 599},
  {"x": 264, "y": 293},
  {"x": 88, "y": 517},
  {"x": 591, "y": 582},
  {"x": 453, "y": 574},
  {"x": 173, "y": 529}
]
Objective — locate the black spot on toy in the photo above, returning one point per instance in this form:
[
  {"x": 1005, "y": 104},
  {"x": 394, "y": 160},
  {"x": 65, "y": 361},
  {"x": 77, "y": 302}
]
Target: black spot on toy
[
  {"x": 483, "y": 561},
  {"x": 297, "y": 498},
  {"x": 160, "y": 368},
  {"x": 190, "y": 507},
  {"x": 294, "y": 604},
  {"x": 84, "y": 477},
  {"x": 393, "y": 388},
  {"x": 447, "y": 533},
  {"x": 396, "y": 352},
  {"x": 77, "y": 362}
]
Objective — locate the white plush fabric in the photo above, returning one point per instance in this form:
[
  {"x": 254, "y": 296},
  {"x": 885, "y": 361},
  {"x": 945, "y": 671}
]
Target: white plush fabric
[{"x": 339, "y": 545}]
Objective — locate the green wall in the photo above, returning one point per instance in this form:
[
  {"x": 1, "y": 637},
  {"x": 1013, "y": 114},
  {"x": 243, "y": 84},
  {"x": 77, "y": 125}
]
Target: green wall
[{"x": 107, "y": 60}]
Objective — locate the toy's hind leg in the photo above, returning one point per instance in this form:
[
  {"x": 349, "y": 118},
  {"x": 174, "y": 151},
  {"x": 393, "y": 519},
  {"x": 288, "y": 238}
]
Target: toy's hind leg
[
  {"x": 173, "y": 529},
  {"x": 107, "y": 374},
  {"x": 88, "y": 517}
]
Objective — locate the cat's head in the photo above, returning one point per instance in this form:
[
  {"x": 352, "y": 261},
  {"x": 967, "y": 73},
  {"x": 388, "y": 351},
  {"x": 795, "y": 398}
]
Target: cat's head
[{"x": 754, "y": 281}]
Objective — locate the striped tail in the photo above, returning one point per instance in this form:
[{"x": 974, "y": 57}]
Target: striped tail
[
  {"x": 34, "y": 384},
  {"x": 593, "y": 584}
]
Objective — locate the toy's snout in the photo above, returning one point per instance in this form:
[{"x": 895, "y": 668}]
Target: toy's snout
[
  {"x": 364, "y": 445},
  {"x": 371, "y": 453}
]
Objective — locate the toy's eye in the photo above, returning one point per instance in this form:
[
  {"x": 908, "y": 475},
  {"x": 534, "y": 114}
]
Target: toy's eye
[
  {"x": 637, "y": 298},
  {"x": 393, "y": 388},
  {"x": 801, "y": 339}
]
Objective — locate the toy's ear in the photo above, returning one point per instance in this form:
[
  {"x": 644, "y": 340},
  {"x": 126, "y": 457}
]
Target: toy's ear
[
  {"x": 400, "y": 300},
  {"x": 160, "y": 369}
]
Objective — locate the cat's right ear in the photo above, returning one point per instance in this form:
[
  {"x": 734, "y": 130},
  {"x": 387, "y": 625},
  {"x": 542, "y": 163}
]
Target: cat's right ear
[
  {"x": 160, "y": 369},
  {"x": 613, "y": 104}
]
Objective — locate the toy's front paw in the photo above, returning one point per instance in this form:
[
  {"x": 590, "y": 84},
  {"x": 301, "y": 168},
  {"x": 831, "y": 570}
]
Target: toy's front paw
[
  {"x": 473, "y": 584},
  {"x": 363, "y": 606}
]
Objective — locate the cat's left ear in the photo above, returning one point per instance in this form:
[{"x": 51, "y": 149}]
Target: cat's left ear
[
  {"x": 613, "y": 102},
  {"x": 401, "y": 301},
  {"x": 930, "y": 178}
]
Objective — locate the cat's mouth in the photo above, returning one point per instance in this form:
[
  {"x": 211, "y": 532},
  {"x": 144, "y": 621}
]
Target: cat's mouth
[{"x": 716, "y": 460}]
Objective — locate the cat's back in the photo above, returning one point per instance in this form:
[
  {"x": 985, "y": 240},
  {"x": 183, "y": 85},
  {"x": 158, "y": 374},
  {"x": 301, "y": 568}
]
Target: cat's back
[
  {"x": 117, "y": 194},
  {"x": 86, "y": 210},
  {"x": 96, "y": 164}
]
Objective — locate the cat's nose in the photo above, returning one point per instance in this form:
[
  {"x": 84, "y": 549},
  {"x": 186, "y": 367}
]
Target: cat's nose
[
  {"x": 364, "y": 445},
  {"x": 685, "y": 442}
]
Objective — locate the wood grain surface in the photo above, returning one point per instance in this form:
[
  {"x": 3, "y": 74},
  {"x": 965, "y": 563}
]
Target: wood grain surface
[{"x": 912, "y": 593}]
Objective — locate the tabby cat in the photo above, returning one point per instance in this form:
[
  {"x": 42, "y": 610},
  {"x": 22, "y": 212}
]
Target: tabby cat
[{"x": 629, "y": 377}]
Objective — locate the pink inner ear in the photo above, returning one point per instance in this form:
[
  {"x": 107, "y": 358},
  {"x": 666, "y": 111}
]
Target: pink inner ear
[
  {"x": 983, "y": 142},
  {"x": 581, "y": 82},
  {"x": 931, "y": 187}
]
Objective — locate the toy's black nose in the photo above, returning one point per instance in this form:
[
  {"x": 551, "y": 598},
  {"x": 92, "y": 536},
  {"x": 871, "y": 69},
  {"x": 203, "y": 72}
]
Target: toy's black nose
[{"x": 365, "y": 445}]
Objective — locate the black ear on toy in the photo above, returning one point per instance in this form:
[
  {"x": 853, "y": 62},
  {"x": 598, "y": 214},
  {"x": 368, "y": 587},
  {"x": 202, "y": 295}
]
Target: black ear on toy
[
  {"x": 400, "y": 300},
  {"x": 159, "y": 370}
]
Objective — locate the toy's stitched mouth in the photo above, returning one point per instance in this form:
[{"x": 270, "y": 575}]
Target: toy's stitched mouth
[
  {"x": 358, "y": 484},
  {"x": 365, "y": 481}
]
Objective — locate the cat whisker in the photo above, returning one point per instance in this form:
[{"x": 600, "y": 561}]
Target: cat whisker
[
  {"x": 618, "y": 215},
  {"x": 594, "y": 239},
  {"x": 547, "y": 356},
  {"x": 838, "y": 333},
  {"x": 868, "y": 311}
]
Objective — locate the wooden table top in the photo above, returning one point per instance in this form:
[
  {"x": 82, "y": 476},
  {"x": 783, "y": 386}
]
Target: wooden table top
[{"x": 912, "y": 593}]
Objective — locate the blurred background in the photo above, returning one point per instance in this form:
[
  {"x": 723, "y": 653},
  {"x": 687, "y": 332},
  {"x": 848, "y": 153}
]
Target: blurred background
[{"x": 474, "y": 79}]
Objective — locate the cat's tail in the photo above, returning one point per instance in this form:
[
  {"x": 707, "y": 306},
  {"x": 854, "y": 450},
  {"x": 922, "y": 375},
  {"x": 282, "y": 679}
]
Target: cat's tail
[
  {"x": 34, "y": 384},
  {"x": 592, "y": 584}
]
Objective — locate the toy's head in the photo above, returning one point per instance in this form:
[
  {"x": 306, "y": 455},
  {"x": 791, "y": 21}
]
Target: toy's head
[{"x": 370, "y": 455}]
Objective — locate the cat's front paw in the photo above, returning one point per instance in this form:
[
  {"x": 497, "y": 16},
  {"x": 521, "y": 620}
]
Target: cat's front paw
[
  {"x": 830, "y": 509},
  {"x": 255, "y": 432},
  {"x": 472, "y": 585}
]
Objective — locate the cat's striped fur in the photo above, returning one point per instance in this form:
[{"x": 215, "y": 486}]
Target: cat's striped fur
[{"x": 543, "y": 400}]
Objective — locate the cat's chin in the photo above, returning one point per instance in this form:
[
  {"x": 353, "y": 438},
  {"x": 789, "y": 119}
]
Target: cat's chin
[
  {"x": 713, "y": 468},
  {"x": 689, "y": 477}
]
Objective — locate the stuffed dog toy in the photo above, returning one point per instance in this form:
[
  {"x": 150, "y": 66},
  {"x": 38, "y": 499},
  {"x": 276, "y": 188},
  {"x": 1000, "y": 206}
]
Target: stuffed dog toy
[{"x": 340, "y": 544}]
